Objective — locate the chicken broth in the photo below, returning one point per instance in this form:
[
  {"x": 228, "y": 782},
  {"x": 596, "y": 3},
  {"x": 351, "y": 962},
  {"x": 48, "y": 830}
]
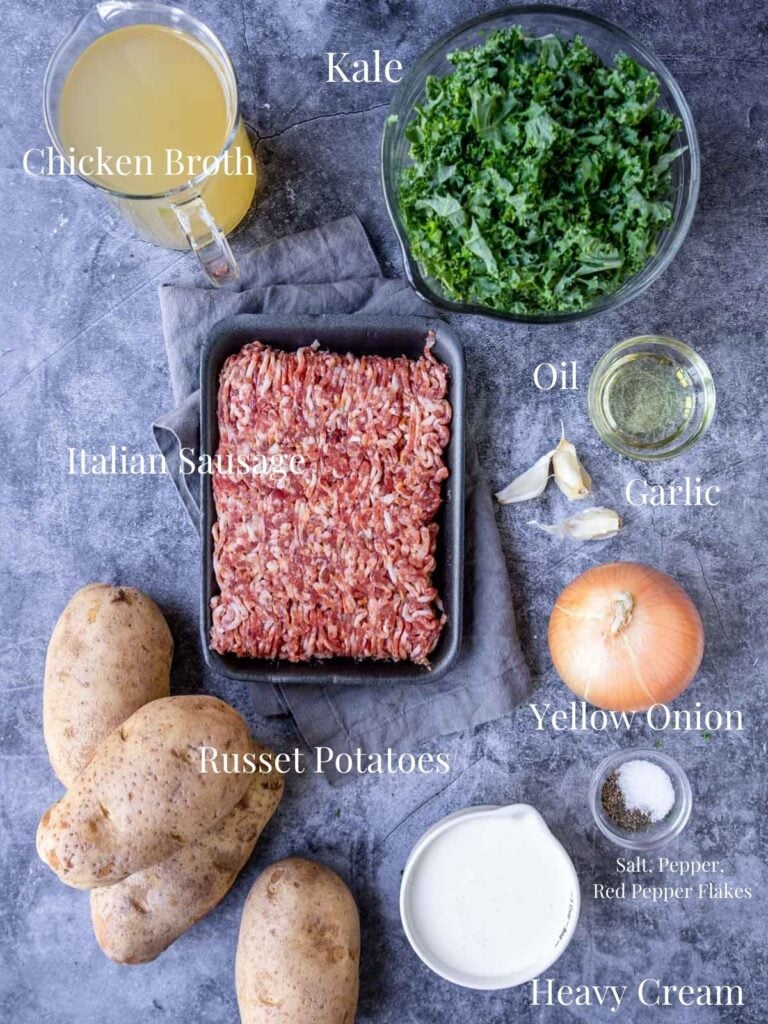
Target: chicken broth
[{"x": 144, "y": 110}]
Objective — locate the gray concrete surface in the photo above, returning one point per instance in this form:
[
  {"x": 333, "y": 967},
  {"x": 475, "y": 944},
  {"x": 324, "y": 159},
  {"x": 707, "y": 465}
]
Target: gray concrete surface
[{"x": 83, "y": 364}]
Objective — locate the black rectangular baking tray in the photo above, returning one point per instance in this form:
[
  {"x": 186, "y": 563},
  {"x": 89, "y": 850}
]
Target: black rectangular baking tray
[{"x": 386, "y": 336}]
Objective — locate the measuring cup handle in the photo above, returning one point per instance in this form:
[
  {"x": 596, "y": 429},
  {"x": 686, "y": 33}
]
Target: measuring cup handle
[{"x": 208, "y": 241}]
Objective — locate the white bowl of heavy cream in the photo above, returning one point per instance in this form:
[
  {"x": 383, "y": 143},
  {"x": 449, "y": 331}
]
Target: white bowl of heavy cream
[{"x": 489, "y": 898}]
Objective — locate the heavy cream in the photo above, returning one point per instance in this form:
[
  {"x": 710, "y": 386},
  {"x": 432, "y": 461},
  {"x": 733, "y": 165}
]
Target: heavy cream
[{"x": 490, "y": 898}]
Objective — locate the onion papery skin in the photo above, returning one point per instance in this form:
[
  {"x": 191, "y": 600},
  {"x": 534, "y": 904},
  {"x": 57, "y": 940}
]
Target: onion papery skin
[{"x": 647, "y": 660}]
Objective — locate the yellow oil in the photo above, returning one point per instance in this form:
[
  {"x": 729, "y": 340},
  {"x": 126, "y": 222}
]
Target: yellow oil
[
  {"x": 647, "y": 399},
  {"x": 156, "y": 98}
]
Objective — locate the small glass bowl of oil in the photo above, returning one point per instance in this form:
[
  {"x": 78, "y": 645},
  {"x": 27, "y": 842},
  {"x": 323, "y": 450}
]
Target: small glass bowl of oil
[{"x": 651, "y": 397}]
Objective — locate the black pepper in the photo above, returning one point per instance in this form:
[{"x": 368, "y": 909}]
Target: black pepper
[{"x": 614, "y": 806}]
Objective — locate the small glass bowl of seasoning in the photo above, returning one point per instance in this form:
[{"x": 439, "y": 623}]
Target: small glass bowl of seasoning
[
  {"x": 640, "y": 799},
  {"x": 651, "y": 398}
]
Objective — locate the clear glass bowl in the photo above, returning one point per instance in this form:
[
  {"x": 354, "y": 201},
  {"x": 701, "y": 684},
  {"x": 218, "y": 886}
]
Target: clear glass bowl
[
  {"x": 702, "y": 398},
  {"x": 606, "y": 40},
  {"x": 658, "y": 834}
]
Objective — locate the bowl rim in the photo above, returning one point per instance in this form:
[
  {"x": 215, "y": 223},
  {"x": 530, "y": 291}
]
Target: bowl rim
[
  {"x": 485, "y": 983},
  {"x": 633, "y": 286},
  {"x": 639, "y": 840},
  {"x": 691, "y": 357}
]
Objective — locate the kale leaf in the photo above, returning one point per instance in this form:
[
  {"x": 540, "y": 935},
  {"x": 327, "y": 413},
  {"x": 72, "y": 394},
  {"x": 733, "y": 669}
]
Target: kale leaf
[{"x": 540, "y": 177}]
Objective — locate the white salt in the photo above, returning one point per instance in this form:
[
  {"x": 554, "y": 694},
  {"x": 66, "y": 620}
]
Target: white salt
[{"x": 646, "y": 787}]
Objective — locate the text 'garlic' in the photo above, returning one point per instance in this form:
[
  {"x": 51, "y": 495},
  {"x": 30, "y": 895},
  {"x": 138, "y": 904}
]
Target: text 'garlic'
[
  {"x": 591, "y": 524},
  {"x": 562, "y": 463}
]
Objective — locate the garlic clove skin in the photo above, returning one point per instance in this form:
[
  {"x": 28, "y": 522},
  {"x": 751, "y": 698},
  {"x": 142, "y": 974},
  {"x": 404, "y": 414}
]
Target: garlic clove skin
[
  {"x": 570, "y": 476},
  {"x": 592, "y": 524},
  {"x": 529, "y": 484}
]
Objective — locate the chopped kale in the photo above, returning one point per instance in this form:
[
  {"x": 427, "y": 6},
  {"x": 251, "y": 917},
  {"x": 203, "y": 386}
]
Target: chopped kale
[{"x": 541, "y": 178}]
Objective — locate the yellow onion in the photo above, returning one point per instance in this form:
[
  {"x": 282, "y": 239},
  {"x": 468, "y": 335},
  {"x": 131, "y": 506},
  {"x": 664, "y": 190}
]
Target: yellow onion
[{"x": 624, "y": 637}]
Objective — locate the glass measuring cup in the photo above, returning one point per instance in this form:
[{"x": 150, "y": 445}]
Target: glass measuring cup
[{"x": 198, "y": 210}]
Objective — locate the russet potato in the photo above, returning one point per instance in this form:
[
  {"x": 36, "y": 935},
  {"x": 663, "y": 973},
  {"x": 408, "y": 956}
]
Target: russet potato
[
  {"x": 136, "y": 919},
  {"x": 142, "y": 797},
  {"x": 298, "y": 954},
  {"x": 109, "y": 654}
]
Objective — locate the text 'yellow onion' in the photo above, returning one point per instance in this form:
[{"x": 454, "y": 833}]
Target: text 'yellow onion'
[{"x": 624, "y": 636}]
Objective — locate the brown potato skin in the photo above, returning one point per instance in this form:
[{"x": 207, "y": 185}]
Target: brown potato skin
[
  {"x": 141, "y": 798},
  {"x": 109, "y": 654},
  {"x": 298, "y": 955},
  {"x": 136, "y": 919}
]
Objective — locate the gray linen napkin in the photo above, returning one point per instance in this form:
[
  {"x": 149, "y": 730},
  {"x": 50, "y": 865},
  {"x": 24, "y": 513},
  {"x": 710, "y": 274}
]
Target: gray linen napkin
[{"x": 332, "y": 269}]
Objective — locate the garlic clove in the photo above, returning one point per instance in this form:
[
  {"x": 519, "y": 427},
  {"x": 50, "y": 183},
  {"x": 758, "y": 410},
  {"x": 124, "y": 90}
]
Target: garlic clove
[
  {"x": 529, "y": 484},
  {"x": 592, "y": 524},
  {"x": 570, "y": 476}
]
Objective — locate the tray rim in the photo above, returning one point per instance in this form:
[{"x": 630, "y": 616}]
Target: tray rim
[{"x": 339, "y": 671}]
